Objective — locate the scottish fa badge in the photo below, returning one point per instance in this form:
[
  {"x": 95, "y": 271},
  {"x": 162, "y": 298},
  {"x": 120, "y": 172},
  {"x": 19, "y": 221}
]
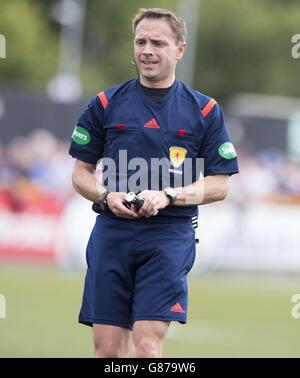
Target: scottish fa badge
[{"x": 177, "y": 156}]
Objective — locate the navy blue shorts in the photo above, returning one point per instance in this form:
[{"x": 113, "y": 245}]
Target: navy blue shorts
[{"x": 137, "y": 270}]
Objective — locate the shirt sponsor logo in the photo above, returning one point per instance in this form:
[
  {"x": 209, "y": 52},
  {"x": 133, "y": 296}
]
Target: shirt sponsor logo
[
  {"x": 81, "y": 135},
  {"x": 227, "y": 151}
]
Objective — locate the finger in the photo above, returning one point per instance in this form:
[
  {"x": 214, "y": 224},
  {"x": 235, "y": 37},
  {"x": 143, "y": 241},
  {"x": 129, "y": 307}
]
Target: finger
[
  {"x": 145, "y": 208},
  {"x": 122, "y": 211},
  {"x": 153, "y": 209},
  {"x": 149, "y": 209},
  {"x": 143, "y": 194},
  {"x": 153, "y": 212}
]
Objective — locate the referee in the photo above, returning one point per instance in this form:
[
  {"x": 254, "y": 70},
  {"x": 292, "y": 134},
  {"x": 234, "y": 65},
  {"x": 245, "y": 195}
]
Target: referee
[{"x": 139, "y": 257}]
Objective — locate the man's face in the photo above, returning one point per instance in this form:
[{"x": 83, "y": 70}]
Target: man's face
[{"x": 156, "y": 52}]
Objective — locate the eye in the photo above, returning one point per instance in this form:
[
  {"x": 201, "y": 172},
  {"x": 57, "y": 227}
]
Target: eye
[{"x": 159, "y": 43}]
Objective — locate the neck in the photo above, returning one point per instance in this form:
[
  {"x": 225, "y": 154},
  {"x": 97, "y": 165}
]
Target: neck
[{"x": 167, "y": 83}]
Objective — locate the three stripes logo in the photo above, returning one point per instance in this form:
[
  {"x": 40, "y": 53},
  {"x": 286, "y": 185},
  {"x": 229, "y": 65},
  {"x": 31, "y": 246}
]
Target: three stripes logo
[
  {"x": 152, "y": 124},
  {"x": 177, "y": 308}
]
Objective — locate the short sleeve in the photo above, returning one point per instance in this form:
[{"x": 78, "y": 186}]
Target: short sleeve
[
  {"x": 217, "y": 150},
  {"x": 87, "y": 141}
]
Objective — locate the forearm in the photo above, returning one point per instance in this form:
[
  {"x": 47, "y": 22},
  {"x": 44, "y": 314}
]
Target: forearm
[
  {"x": 206, "y": 190},
  {"x": 86, "y": 184}
]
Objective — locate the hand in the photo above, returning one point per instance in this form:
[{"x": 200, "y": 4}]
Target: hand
[
  {"x": 115, "y": 201},
  {"x": 153, "y": 201}
]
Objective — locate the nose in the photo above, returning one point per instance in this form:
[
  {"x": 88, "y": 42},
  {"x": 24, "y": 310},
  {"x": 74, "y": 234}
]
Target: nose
[{"x": 147, "y": 50}]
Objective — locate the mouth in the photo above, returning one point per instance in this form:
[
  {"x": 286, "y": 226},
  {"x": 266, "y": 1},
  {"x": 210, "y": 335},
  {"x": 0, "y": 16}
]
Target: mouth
[{"x": 148, "y": 62}]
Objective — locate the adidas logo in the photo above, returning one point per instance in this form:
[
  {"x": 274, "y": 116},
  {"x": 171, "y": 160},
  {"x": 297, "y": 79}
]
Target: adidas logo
[
  {"x": 177, "y": 308},
  {"x": 152, "y": 124}
]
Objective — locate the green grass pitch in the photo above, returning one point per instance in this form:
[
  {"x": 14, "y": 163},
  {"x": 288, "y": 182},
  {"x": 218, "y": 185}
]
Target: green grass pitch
[{"x": 229, "y": 316}]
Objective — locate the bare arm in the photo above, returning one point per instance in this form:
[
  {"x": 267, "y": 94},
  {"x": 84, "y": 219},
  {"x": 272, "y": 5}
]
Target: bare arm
[
  {"x": 86, "y": 184},
  {"x": 208, "y": 189},
  {"x": 84, "y": 181}
]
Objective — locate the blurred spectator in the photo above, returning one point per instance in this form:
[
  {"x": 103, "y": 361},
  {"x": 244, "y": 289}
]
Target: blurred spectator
[{"x": 35, "y": 175}]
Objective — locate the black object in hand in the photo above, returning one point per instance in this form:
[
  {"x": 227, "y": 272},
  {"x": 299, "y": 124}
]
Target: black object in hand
[{"x": 133, "y": 199}]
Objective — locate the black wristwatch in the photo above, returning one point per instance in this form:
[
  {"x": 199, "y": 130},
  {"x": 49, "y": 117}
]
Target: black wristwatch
[
  {"x": 103, "y": 201},
  {"x": 171, "y": 194},
  {"x": 101, "y": 205}
]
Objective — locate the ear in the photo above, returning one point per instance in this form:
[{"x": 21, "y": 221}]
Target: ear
[{"x": 180, "y": 50}]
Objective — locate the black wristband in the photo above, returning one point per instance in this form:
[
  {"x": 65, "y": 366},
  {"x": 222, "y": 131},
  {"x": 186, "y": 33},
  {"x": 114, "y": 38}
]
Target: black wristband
[{"x": 102, "y": 204}]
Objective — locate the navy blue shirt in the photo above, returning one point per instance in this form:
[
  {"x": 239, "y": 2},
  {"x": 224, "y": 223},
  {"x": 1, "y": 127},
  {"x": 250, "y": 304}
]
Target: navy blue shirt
[{"x": 170, "y": 135}]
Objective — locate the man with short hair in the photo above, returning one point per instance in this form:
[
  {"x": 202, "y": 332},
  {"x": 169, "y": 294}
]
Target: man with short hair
[{"x": 138, "y": 258}]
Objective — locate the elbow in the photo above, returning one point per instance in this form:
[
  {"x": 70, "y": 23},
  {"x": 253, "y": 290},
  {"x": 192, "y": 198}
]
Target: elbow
[
  {"x": 74, "y": 181},
  {"x": 224, "y": 191}
]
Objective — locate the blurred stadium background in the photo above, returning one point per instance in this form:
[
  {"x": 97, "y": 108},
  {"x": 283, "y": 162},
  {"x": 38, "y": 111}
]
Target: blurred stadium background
[{"x": 60, "y": 53}]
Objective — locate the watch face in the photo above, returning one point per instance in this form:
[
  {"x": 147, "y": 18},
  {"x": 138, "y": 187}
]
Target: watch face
[
  {"x": 171, "y": 192},
  {"x": 130, "y": 196}
]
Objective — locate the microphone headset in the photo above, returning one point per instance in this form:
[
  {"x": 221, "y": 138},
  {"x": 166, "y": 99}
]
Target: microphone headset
[{"x": 134, "y": 64}]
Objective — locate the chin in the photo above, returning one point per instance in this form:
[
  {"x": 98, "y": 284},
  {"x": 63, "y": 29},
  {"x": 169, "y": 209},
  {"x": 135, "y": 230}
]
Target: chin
[
  {"x": 153, "y": 76},
  {"x": 149, "y": 75},
  {"x": 151, "y": 79}
]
